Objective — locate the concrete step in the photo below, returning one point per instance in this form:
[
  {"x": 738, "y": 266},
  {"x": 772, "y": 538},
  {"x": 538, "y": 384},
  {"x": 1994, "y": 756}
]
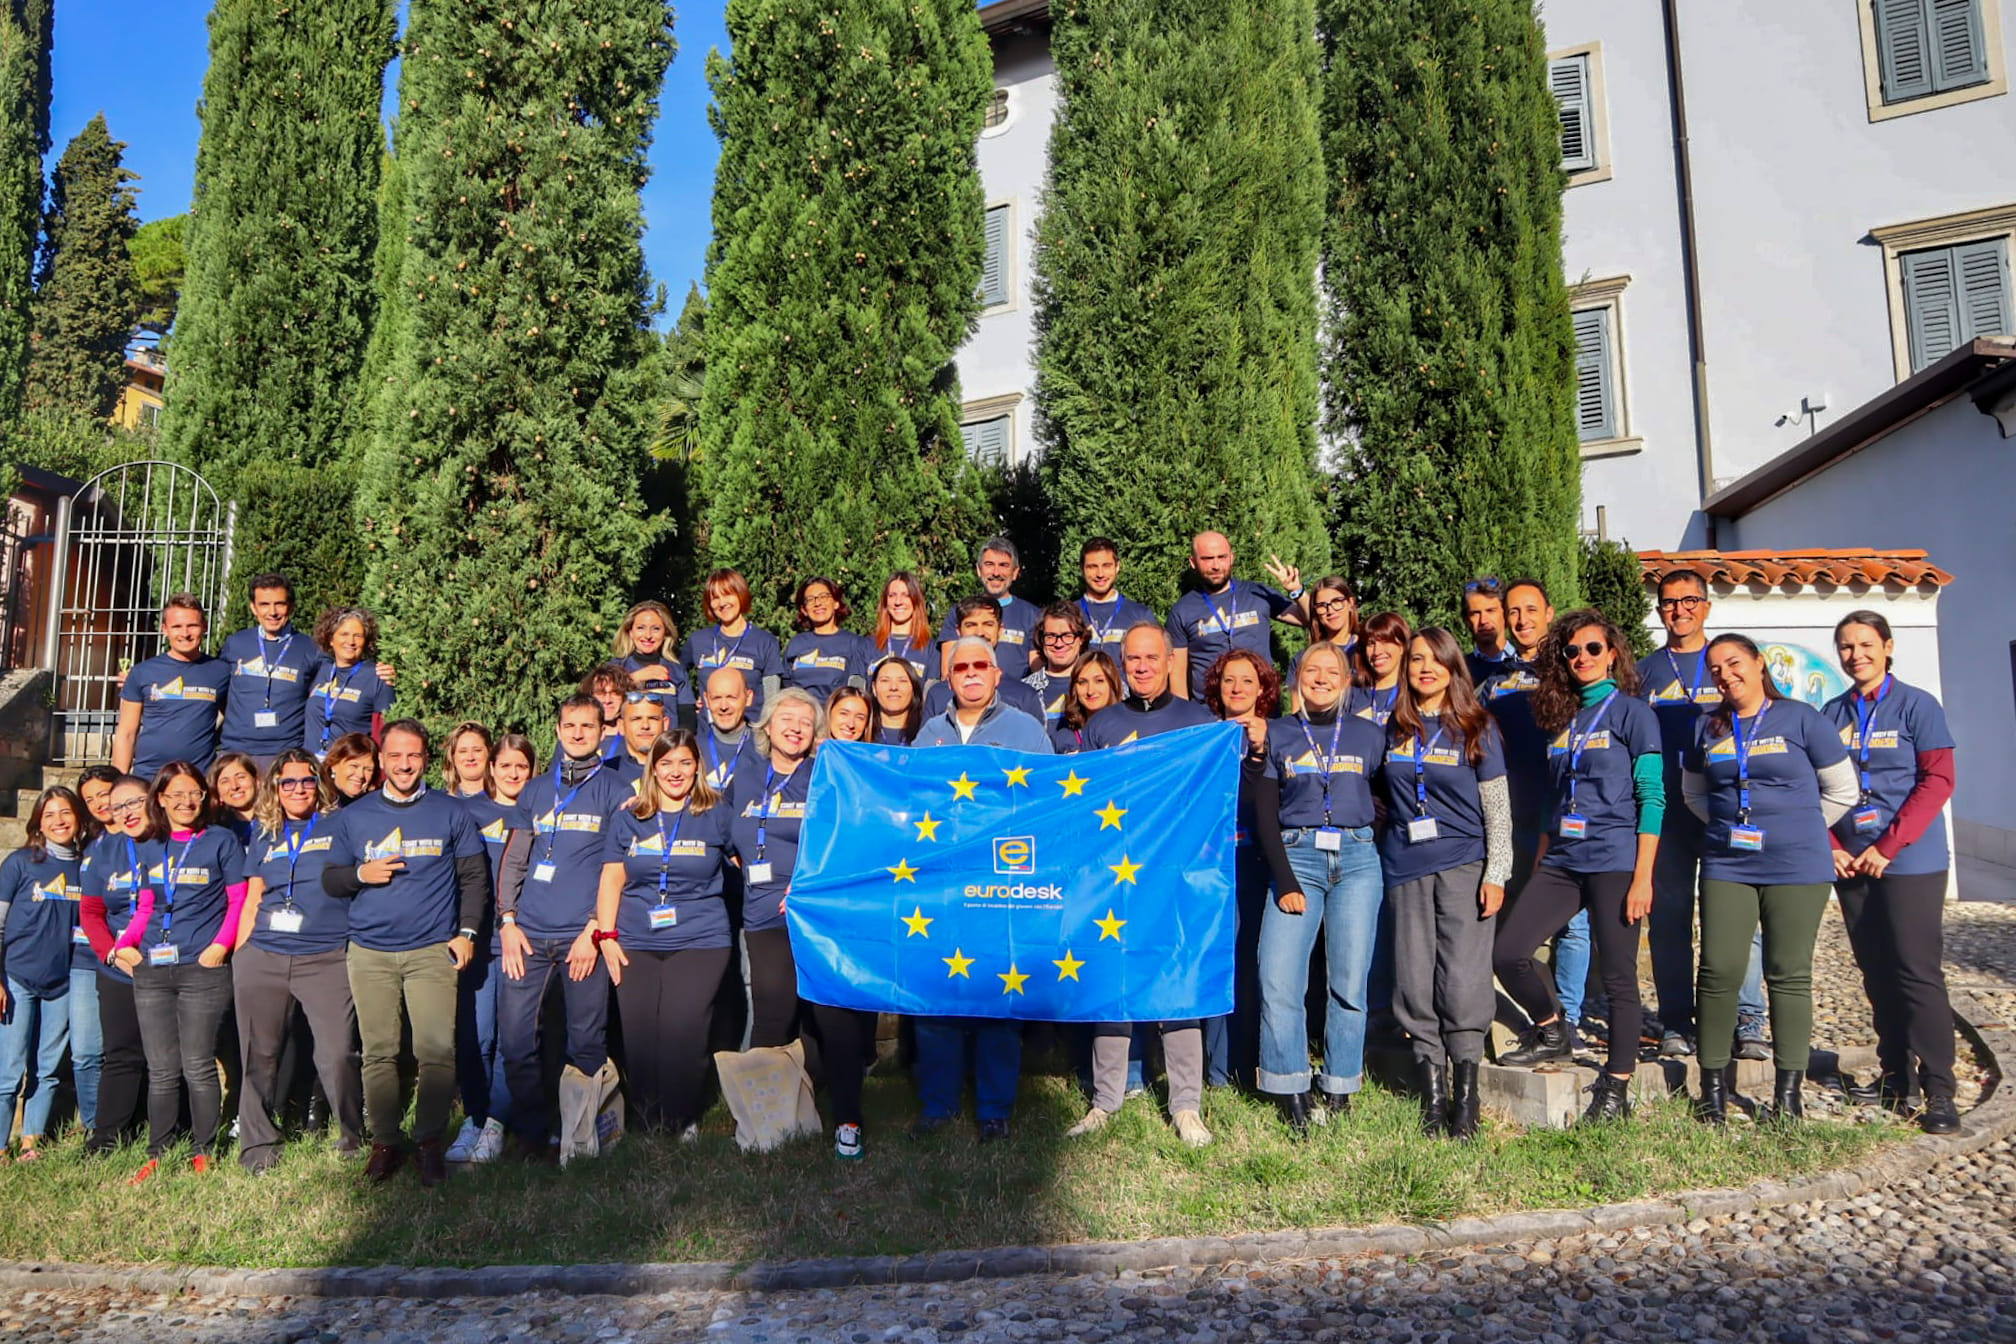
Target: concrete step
[
  {"x": 13, "y": 833},
  {"x": 66, "y": 775}
]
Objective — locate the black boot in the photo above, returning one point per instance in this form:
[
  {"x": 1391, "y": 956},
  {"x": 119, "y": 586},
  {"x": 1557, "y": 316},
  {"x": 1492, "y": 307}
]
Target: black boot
[
  {"x": 1940, "y": 1116},
  {"x": 1548, "y": 1043},
  {"x": 1893, "y": 1092},
  {"x": 1434, "y": 1085},
  {"x": 1463, "y": 1106},
  {"x": 1337, "y": 1103},
  {"x": 1611, "y": 1100},
  {"x": 1295, "y": 1112},
  {"x": 1713, "y": 1106},
  {"x": 1788, "y": 1106}
]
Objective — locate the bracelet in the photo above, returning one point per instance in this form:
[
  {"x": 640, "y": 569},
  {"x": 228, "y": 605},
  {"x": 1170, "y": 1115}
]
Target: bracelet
[
  {"x": 606, "y": 936},
  {"x": 1296, "y": 596}
]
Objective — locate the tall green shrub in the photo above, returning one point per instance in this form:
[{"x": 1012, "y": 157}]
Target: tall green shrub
[
  {"x": 277, "y": 304},
  {"x": 25, "y": 27},
  {"x": 499, "y": 504},
  {"x": 1449, "y": 361},
  {"x": 294, "y": 522},
  {"x": 848, "y": 244},
  {"x": 1613, "y": 582},
  {"x": 87, "y": 293},
  {"x": 1176, "y": 284}
]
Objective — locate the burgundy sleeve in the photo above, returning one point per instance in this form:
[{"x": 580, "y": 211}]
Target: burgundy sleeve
[
  {"x": 1932, "y": 792},
  {"x": 91, "y": 914}
]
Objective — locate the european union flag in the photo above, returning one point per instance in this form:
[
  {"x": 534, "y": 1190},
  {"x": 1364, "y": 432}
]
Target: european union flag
[{"x": 979, "y": 882}]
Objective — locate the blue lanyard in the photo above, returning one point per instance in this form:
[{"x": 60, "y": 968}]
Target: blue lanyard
[
  {"x": 765, "y": 811},
  {"x": 168, "y": 867},
  {"x": 329, "y": 694},
  {"x": 560, "y": 804},
  {"x": 724, "y": 653},
  {"x": 665, "y": 843},
  {"x": 1865, "y": 719},
  {"x": 1577, "y": 742},
  {"x": 139, "y": 874},
  {"x": 294, "y": 842},
  {"x": 1324, "y": 759},
  {"x": 1101, "y": 633},
  {"x": 1225, "y": 622},
  {"x": 714, "y": 755},
  {"x": 1381, "y": 713},
  {"x": 272, "y": 662},
  {"x": 1700, "y": 671},
  {"x": 1743, "y": 758},
  {"x": 1421, "y": 756}
]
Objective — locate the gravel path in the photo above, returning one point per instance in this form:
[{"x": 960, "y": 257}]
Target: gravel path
[{"x": 1932, "y": 1258}]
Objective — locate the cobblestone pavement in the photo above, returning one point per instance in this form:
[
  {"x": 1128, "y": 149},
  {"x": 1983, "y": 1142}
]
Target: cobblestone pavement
[{"x": 1932, "y": 1258}]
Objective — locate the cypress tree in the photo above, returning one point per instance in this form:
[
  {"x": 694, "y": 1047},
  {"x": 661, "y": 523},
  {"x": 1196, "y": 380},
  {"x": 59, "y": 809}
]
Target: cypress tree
[
  {"x": 1449, "y": 359},
  {"x": 845, "y": 270},
  {"x": 88, "y": 292},
  {"x": 24, "y": 139},
  {"x": 1176, "y": 284},
  {"x": 277, "y": 306},
  {"x": 500, "y": 504}
]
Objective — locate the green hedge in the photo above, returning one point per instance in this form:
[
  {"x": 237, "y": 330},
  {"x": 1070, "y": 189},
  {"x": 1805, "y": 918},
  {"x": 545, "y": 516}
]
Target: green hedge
[{"x": 294, "y": 522}]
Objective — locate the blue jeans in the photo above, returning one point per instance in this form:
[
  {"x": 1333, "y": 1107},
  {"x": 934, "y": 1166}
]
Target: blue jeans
[
  {"x": 87, "y": 1043},
  {"x": 1676, "y": 891},
  {"x": 1344, "y": 892},
  {"x": 941, "y": 1065},
  {"x": 479, "y": 1064},
  {"x": 1571, "y": 965},
  {"x": 40, "y": 1025}
]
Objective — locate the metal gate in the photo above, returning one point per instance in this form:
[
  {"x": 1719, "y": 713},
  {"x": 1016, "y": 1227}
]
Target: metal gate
[{"x": 133, "y": 536}]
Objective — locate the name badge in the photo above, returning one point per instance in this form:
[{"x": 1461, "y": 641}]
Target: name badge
[
  {"x": 1420, "y": 830},
  {"x": 286, "y": 921},
  {"x": 1750, "y": 839},
  {"x": 1330, "y": 840},
  {"x": 759, "y": 873},
  {"x": 542, "y": 872},
  {"x": 1869, "y": 820},
  {"x": 81, "y": 938},
  {"x": 664, "y": 916},
  {"x": 166, "y": 954},
  {"x": 1573, "y": 826},
  {"x": 265, "y": 718}
]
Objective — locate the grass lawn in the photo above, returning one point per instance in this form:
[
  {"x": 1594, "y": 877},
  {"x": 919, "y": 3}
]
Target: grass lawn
[{"x": 654, "y": 1199}]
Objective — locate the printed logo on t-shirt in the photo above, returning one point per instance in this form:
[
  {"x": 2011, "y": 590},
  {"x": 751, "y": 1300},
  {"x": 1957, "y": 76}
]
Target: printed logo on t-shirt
[
  {"x": 582, "y": 823},
  {"x": 1442, "y": 754},
  {"x": 779, "y": 810},
  {"x": 179, "y": 690},
  {"x": 57, "y": 888},
  {"x": 1241, "y": 620},
  {"x": 397, "y": 846},
  {"x": 1511, "y": 682},
  {"x": 1598, "y": 741},
  {"x": 1012, "y": 636},
  {"x": 823, "y": 662},
  {"x": 1306, "y": 764},
  {"x": 722, "y": 658},
  {"x": 1725, "y": 748},
  {"x": 184, "y": 876},
  {"x": 334, "y": 690},
  {"x": 652, "y": 845},
  {"x": 257, "y": 667},
  {"x": 314, "y": 844},
  {"x": 493, "y": 834},
  {"x": 1883, "y": 739},
  {"x": 1673, "y": 693}
]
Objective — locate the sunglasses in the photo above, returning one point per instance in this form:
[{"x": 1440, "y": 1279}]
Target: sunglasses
[
  {"x": 295, "y": 785},
  {"x": 971, "y": 667},
  {"x": 1595, "y": 648},
  {"x": 638, "y": 698},
  {"x": 1488, "y": 584}
]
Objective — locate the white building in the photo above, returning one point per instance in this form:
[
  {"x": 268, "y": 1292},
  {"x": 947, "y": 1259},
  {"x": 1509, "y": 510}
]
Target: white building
[{"x": 1773, "y": 209}]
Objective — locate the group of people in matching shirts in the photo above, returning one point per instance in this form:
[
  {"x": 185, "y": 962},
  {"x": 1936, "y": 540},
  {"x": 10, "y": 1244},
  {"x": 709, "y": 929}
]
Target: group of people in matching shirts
[{"x": 265, "y": 859}]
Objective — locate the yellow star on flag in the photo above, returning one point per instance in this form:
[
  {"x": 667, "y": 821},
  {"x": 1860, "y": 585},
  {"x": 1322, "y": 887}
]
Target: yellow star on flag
[
  {"x": 1073, "y": 785},
  {"x": 958, "y": 961},
  {"x": 962, "y": 787},
  {"x": 1067, "y": 969},
  {"x": 903, "y": 871},
  {"x": 1011, "y": 979},
  {"x": 927, "y": 827},
  {"x": 917, "y": 922},
  {"x": 1110, "y": 815},
  {"x": 1109, "y": 927},
  {"x": 1124, "y": 870},
  {"x": 1017, "y": 774}
]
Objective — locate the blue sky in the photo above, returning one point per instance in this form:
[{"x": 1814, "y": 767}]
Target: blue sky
[{"x": 142, "y": 65}]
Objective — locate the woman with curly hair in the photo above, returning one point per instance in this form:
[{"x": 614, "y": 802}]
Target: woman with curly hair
[{"x": 348, "y": 694}]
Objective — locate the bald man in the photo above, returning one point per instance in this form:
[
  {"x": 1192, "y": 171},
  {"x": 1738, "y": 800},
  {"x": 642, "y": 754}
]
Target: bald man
[{"x": 1224, "y": 614}]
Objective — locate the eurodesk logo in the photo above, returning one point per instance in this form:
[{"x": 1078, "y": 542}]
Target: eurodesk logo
[{"x": 1014, "y": 856}]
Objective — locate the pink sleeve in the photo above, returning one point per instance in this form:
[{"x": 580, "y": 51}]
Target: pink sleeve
[
  {"x": 143, "y": 910},
  {"x": 227, "y": 932}
]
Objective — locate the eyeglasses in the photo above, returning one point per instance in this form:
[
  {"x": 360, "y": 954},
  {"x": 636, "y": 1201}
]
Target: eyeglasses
[
  {"x": 1489, "y": 583},
  {"x": 1334, "y": 604},
  {"x": 184, "y": 796},
  {"x": 1682, "y": 603},
  {"x": 1595, "y": 648},
  {"x": 295, "y": 785},
  {"x": 128, "y": 809},
  {"x": 1060, "y": 637},
  {"x": 970, "y": 667}
]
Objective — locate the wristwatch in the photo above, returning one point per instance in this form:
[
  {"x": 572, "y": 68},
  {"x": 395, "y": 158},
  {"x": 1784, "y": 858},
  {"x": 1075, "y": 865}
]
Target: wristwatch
[
  {"x": 470, "y": 934},
  {"x": 508, "y": 917}
]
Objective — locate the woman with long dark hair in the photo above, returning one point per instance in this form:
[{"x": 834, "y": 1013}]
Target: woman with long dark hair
[
  {"x": 1890, "y": 868},
  {"x": 113, "y": 875},
  {"x": 1378, "y": 664},
  {"x": 1447, "y": 854},
  {"x": 1597, "y": 854},
  {"x": 1769, "y": 776},
  {"x": 1095, "y": 684},
  {"x": 898, "y": 698},
  {"x": 39, "y": 888}
]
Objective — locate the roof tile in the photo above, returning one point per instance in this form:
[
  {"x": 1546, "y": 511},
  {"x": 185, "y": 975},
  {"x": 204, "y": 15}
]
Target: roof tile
[{"x": 1842, "y": 567}]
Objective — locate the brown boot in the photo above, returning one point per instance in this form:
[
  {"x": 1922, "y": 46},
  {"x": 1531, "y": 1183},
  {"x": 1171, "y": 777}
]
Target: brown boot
[
  {"x": 433, "y": 1164},
  {"x": 385, "y": 1159}
]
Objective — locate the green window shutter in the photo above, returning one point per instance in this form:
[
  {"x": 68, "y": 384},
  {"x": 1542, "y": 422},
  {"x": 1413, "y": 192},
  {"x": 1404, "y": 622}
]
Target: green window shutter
[
  {"x": 987, "y": 441},
  {"x": 1569, "y": 79},
  {"x": 994, "y": 271},
  {"x": 1903, "y": 39},
  {"x": 1983, "y": 270},
  {"x": 1595, "y": 377},
  {"x": 1931, "y": 305},
  {"x": 1959, "y": 52}
]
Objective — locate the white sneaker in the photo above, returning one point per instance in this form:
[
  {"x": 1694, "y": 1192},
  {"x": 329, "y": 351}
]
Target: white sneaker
[
  {"x": 490, "y": 1143},
  {"x": 465, "y": 1142},
  {"x": 847, "y": 1143},
  {"x": 1190, "y": 1129},
  {"x": 1094, "y": 1121},
  {"x": 690, "y": 1134}
]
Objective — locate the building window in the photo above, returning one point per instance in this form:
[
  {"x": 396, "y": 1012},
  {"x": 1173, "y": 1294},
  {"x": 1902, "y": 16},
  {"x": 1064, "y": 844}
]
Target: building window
[
  {"x": 994, "y": 292},
  {"x": 1602, "y": 408},
  {"x": 1576, "y": 77},
  {"x": 1918, "y": 55},
  {"x": 997, "y": 110},
  {"x": 150, "y": 416},
  {"x": 988, "y": 441},
  {"x": 1952, "y": 295}
]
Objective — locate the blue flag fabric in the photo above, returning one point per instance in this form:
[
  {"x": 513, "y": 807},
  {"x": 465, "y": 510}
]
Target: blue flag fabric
[{"x": 979, "y": 882}]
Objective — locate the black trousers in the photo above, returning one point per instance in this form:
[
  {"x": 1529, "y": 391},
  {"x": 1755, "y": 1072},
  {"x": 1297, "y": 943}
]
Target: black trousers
[
  {"x": 181, "y": 1008},
  {"x": 266, "y": 987},
  {"x": 1895, "y": 924},
  {"x": 847, "y": 1044},
  {"x": 520, "y": 1010},
  {"x": 773, "y": 987},
  {"x": 1550, "y": 899},
  {"x": 667, "y": 1003},
  {"x": 123, "y": 1077}
]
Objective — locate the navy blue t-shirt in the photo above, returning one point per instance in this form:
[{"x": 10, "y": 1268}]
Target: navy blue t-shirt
[
  {"x": 492, "y": 821},
  {"x": 1018, "y": 634},
  {"x": 567, "y": 826},
  {"x": 664, "y": 682},
  {"x": 1786, "y": 749},
  {"x": 1209, "y": 626},
  {"x": 1111, "y": 620},
  {"x": 1508, "y": 698},
  {"x": 289, "y": 867},
  {"x": 1053, "y": 690},
  {"x": 923, "y": 658},
  {"x": 1483, "y": 669},
  {"x": 1679, "y": 690},
  {"x": 422, "y": 905},
  {"x": 822, "y": 664},
  {"x": 754, "y": 651},
  {"x": 675, "y": 859},
  {"x": 1117, "y": 725},
  {"x": 342, "y": 700},
  {"x": 1370, "y": 703},
  {"x": 776, "y": 805},
  {"x": 720, "y": 760},
  {"x": 179, "y": 704},
  {"x": 41, "y": 924},
  {"x": 1066, "y": 740},
  {"x": 1903, "y": 723},
  {"x": 1450, "y": 783},
  {"x": 270, "y": 679},
  {"x": 190, "y": 880},
  {"x": 108, "y": 876},
  {"x": 1612, "y": 737},
  {"x": 1301, "y": 753}
]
